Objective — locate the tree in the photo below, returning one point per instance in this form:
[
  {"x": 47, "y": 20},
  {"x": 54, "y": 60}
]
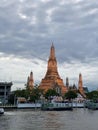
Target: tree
[
  {"x": 18, "y": 93},
  {"x": 70, "y": 95},
  {"x": 22, "y": 93},
  {"x": 49, "y": 93},
  {"x": 35, "y": 94},
  {"x": 11, "y": 98},
  {"x": 92, "y": 95},
  {"x": 31, "y": 95}
]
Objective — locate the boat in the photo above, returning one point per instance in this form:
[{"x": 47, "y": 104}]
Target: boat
[
  {"x": 1, "y": 111},
  {"x": 91, "y": 104},
  {"x": 28, "y": 105},
  {"x": 57, "y": 106},
  {"x": 23, "y": 104}
]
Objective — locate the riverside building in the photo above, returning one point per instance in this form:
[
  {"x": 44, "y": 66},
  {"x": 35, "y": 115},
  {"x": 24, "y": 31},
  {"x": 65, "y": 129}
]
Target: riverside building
[{"x": 5, "y": 89}]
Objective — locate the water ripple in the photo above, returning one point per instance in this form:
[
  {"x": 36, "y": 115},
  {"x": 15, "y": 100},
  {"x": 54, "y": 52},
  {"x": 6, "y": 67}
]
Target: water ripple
[{"x": 78, "y": 119}]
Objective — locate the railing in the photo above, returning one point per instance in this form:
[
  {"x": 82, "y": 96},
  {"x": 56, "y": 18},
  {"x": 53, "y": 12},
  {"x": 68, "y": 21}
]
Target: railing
[{"x": 7, "y": 106}]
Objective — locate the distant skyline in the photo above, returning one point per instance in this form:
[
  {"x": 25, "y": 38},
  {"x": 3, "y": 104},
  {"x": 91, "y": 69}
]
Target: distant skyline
[{"x": 27, "y": 30}]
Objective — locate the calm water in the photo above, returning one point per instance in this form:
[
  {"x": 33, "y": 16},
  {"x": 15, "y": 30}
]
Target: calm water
[{"x": 78, "y": 119}]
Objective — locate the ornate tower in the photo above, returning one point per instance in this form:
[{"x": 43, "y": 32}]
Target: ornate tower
[
  {"x": 52, "y": 79},
  {"x": 80, "y": 85},
  {"x": 67, "y": 82},
  {"x": 30, "y": 81}
]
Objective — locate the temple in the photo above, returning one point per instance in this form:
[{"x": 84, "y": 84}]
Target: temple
[
  {"x": 52, "y": 80},
  {"x": 80, "y": 86},
  {"x": 67, "y": 82},
  {"x": 30, "y": 81}
]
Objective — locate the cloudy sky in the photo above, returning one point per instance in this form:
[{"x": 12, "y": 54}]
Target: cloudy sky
[{"x": 28, "y": 28}]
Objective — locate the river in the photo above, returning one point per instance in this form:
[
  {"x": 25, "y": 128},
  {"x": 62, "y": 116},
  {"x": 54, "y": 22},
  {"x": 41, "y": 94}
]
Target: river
[{"x": 78, "y": 119}]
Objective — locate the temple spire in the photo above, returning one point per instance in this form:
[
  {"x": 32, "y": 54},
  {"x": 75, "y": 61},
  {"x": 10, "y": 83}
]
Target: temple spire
[
  {"x": 52, "y": 80},
  {"x": 67, "y": 82},
  {"x": 80, "y": 85},
  {"x": 30, "y": 81},
  {"x": 52, "y": 52},
  {"x": 31, "y": 75}
]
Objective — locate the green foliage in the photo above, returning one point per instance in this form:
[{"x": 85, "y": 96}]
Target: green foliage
[
  {"x": 49, "y": 93},
  {"x": 35, "y": 94},
  {"x": 11, "y": 98},
  {"x": 22, "y": 93},
  {"x": 18, "y": 93},
  {"x": 32, "y": 95},
  {"x": 92, "y": 95},
  {"x": 70, "y": 95}
]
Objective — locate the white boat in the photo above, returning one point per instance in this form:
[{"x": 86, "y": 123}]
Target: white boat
[
  {"x": 57, "y": 106},
  {"x": 91, "y": 104},
  {"x": 1, "y": 111},
  {"x": 28, "y": 105}
]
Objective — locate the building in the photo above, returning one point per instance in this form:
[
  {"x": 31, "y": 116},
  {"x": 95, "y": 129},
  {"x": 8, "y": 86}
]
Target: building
[
  {"x": 86, "y": 90},
  {"x": 67, "y": 82},
  {"x": 80, "y": 86},
  {"x": 80, "y": 89},
  {"x": 52, "y": 80},
  {"x": 73, "y": 88},
  {"x": 30, "y": 81},
  {"x": 5, "y": 89}
]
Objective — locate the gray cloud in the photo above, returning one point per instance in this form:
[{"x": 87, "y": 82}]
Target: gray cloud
[{"x": 27, "y": 29}]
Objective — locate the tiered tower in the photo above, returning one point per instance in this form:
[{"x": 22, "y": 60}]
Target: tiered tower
[
  {"x": 52, "y": 79},
  {"x": 30, "y": 81},
  {"x": 67, "y": 82},
  {"x": 80, "y": 86}
]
